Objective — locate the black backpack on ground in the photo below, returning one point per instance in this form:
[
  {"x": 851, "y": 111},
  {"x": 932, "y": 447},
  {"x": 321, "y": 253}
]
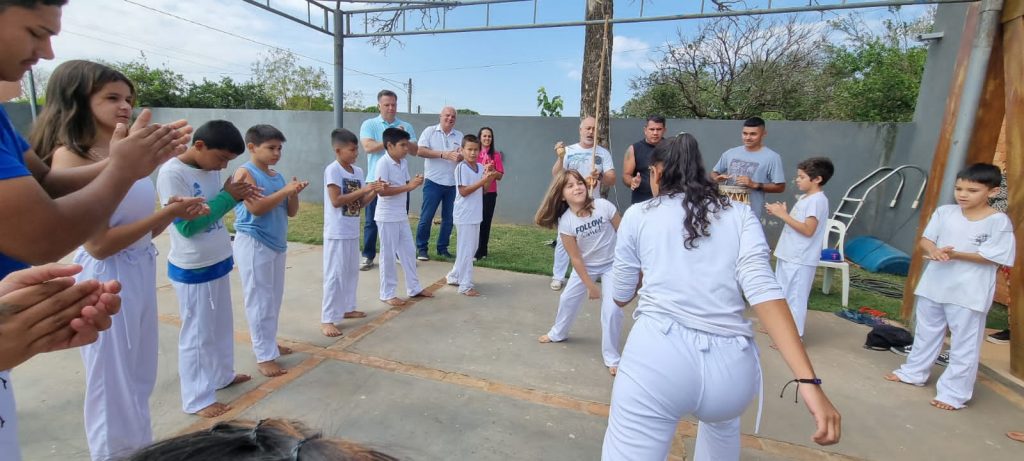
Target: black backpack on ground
[{"x": 882, "y": 337}]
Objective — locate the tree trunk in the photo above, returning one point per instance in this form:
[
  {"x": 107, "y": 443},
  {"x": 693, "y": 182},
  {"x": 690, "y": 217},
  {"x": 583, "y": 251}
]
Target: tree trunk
[{"x": 593, "y": 70}]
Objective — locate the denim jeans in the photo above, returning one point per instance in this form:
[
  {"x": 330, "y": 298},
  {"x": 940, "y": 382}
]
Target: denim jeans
[
  {"x": 434, "y": 194},
  {"x": 370, "y": 231}
]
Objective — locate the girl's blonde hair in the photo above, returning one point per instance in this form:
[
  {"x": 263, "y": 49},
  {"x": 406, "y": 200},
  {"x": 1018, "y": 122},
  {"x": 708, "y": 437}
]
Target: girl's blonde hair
[{"x": 554, "y": 204}]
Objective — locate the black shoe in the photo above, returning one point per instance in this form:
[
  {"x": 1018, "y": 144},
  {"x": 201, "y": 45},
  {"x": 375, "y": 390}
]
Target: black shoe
[
  {"x": 943, "y": 359},
  {"x": 445, "y": 255},
  {"x": 422, "y": 255},
  {"x": 901, "y": 350},
  {"x": 1001, "y": 337},
  {"x": 550, "y": 243}
]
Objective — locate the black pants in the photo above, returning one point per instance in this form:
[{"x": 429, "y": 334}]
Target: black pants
[{"x": 490, "y": 199}]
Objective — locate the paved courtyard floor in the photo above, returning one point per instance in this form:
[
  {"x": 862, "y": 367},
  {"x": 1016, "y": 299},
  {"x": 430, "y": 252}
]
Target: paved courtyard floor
[{"x": 464, "y": 378}]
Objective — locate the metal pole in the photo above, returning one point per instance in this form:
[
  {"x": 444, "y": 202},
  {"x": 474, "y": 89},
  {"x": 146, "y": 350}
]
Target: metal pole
[
  {"x": 409, "y": 95},
  {"x": 339, "y": 68},
  {"x": 974, "y": 83},
  {"x": 32, "y": 104}
]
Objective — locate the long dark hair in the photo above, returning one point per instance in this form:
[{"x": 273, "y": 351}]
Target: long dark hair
[
  {"x": 66, "y": 119},
  {"x": 683, "y": 174},
  {"x": 480, "y": 135}
]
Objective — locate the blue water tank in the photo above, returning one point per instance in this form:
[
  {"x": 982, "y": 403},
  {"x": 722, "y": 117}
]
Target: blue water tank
[{"x": 875, "y": 255}]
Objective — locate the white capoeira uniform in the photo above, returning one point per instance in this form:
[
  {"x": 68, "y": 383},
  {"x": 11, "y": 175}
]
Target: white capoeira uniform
[
  {"x": 120, "y": 367},
  {"x": 691, "y": 351},
  {"x": 8, "y": 419},
  {"x": 468, "y": 214},
  {"x": 260, "y": 250},
  {"x": 581, "y": 159},
  {"x": 199, "y": 267},
  {"x": 956, "y": 295},
  {"x": 341, "y": 244},
  {"x": 395, "y": 236},
  {"x": 797, "y": 256},
  {"x": 595, "y": 237}
]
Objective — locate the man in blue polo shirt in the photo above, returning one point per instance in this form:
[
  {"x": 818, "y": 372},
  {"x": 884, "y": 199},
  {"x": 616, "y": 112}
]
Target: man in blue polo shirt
[{"x": 371, "y": 137}]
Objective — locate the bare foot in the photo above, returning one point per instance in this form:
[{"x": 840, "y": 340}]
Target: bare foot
[
  {"x": 270, "y": 369},
  {"x": 214, "y": 410},
  {"x": 1014, "y": 435},
  {"x": 943, "y": 405},
  {"x": 896, "y": 379},
  {"x": 544, "y": 339},
  {"x": 471, "y": 292},
  {"x": 613, "y": 370},
  {"x": 423, "y": 294},
  {"x": 395, "y": 302},
  {"x": 330, "y": 330},
  {"x": 355, "y": 315},
  {"x": 239, "y": 378},
  {"x": 284, "y": 350}
]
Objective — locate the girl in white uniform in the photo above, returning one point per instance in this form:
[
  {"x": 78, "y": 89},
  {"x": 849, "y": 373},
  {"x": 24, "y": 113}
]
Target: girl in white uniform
[
  {"x": 120, "y": 366},
  {"x": 586, "y": 228},
  {"x": 691, "y": 351}
]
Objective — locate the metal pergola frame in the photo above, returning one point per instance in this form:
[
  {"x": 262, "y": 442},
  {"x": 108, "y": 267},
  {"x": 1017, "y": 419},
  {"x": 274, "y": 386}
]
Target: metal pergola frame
[{"x": 328, "y": 17}]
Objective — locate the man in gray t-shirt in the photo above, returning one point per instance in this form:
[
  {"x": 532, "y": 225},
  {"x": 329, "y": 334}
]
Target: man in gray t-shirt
[{"x": 752, "y": 166}]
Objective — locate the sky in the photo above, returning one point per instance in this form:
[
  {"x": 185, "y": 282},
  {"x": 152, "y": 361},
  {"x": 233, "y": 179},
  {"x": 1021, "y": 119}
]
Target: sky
[{"x": 494, "y": 73}]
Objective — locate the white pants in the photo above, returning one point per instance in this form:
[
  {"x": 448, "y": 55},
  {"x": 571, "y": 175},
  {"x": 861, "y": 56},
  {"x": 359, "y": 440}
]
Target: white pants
[
  {"x": 396, "y": 240},
  {"x": 262, "y": 272},
  {"x": 206, "y": 346},
  {"x": 569, "y": 304},
  {"x": 561, "y": 264},
  {"x": 967, "y": 330},
  {"x": 669, "y": 371},
  {"x": 796, "y": 281},
  {"x": 120, "y": 367},
  {"x": 341, "y": 277},
  {"x": 9, "y": 419},
  {"x": 466, "y": 241}
]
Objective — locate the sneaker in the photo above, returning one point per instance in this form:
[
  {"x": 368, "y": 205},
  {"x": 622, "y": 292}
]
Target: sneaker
[
  {"x": 445, "y": 255},
  {"x": 365, "y": 264},
  {"x": 550, "y": 243},
  {"x": 901, "y": 350},
  {"x": 943, "y": 359},
  {"x": 422, "y": 255},
  {"x": 556, "y": 284},
  {"x": 1001, "y": 337}
]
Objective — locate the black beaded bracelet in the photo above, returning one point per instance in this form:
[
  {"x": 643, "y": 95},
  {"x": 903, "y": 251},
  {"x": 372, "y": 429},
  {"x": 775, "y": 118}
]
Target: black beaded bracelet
[{"x": 799, "y": 381}]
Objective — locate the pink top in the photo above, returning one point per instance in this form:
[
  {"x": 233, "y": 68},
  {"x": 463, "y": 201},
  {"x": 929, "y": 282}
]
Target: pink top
[{"x": 484, "y": 158}]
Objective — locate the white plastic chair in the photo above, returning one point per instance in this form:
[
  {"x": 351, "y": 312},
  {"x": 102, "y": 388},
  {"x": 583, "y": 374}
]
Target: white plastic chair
[{"x": 826, "y": 286}]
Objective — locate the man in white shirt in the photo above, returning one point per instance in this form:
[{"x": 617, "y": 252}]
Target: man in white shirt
[
  {"x": 440, "y": 146},
  {"x": 595, "y": 164},
  {"x": 371, "y": 137}
]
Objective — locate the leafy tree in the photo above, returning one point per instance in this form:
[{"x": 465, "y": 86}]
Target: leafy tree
[
  {"x": 227, "y": 94},
  {"x": 549, "y": 107},
  {"x": 293, "y": 86},
  {"x": 155, "y": 87},
  {"x": 466, "y": 112}
]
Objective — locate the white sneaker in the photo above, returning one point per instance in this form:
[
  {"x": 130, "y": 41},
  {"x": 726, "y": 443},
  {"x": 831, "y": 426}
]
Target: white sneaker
[
  {"x": 556, "y": 284},
  {"x": 365, "y": 264}
]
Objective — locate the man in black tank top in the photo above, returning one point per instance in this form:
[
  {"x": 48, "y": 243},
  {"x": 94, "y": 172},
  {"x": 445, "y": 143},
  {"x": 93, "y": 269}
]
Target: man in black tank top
[{"x": 636, "y": 174}]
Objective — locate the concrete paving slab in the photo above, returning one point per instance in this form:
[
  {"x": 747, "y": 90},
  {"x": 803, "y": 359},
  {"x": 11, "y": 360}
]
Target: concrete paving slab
[{"x": 425, "y": 420}]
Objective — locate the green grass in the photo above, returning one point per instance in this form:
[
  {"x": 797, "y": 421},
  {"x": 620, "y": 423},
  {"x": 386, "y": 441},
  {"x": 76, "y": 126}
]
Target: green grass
[{"x": 521, "y": 248}]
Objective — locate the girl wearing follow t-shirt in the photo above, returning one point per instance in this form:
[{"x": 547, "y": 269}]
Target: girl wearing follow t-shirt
[{"x": 586, "y": 227}]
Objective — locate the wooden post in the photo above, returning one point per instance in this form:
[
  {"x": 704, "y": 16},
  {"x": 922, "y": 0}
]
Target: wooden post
[
  {"x": 934, "y": 190},
  {"x": 1013, "y": 64}
]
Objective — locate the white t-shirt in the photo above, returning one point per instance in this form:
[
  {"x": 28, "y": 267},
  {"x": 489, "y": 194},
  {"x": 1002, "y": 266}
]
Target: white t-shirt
[
  {"x": 578, "y": 158},
  {"x": 702, "y": 287},
  {"x": 594, "y": 234},
  {"x": 763, "y": 166},
  {"x": 440, "y": 170},
  {"x": 395, "y": 174},
  {"x": 205, "y": 248},
  {"x": 9, "y": 431},
  {"x": 341, "y": 222},
  {"x": 793, "y": 247},
  {"x": 469, "y": 209},
  {"x": 966, "y": 284}
]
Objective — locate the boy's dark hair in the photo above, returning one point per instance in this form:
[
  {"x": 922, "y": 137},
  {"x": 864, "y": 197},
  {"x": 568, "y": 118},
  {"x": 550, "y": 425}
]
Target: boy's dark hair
[
  {"x": 343, "y": 137},
  {"x": 656, "y": 119},
  {"x": 259, "y": 134},
  {"x": 471, "y": 138},
  {"x": 386, "y": 93},
  {"x": 394, "y": 136},
  {"x": 30, "y": 4},
  {"x": 221, "y": 135},
  {"x": 754, "y": 122},
  {"x": 982, "y": 173},
  {"x": 818, "y": 167}
]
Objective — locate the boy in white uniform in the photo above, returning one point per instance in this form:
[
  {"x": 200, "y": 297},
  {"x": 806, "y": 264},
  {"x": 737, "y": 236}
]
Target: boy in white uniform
[
  {"x": 965, "y": 244},
  {"x": 199, "y": 264},
  {"x": 799, "y": 247},
  {"x": 345, "y": 195},
  {"x": 470, "y": 180},
  {"x": 393, "y": 219}
]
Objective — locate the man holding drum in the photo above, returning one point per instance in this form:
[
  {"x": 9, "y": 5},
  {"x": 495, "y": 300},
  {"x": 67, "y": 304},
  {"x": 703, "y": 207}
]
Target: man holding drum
[{"x": 752, "y": 169}]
